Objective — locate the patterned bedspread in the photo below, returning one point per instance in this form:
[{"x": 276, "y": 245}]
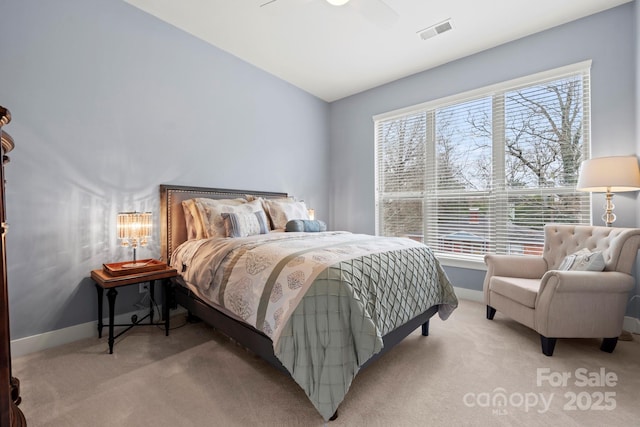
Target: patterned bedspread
[{"x": 325, "y": 299}]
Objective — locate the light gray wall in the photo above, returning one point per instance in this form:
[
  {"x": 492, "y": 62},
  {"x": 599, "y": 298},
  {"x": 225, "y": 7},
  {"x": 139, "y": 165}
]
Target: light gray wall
[
  {"x": 608, "y": 39},
  {"x": 108, "y": 103}
]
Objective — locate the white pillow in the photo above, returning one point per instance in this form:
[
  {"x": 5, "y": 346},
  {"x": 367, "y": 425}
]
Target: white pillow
[
  {"x": 583, "y": 260},
  {"x": 282, "y": 211}
]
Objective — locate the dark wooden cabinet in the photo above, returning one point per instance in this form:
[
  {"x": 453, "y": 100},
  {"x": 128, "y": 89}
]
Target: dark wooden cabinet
[{"x": 10, "y": 414}]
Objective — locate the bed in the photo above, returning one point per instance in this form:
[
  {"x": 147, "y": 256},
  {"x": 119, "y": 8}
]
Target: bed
[{"x": 319, "y": 306}]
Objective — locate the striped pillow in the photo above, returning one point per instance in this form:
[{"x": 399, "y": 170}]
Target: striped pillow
[{"x": 245, "y": 224}]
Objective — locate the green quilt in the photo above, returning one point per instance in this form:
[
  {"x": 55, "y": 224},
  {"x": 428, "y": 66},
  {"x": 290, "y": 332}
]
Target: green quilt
[{"x": 340, "y": 322}]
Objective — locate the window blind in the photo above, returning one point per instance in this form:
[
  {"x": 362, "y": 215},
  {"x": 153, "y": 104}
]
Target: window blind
[{"x": 484, "y": 172}]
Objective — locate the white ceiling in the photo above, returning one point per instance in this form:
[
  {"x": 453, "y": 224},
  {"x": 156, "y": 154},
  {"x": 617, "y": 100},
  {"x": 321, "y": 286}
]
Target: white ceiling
[{"x": 336, "y": 51}]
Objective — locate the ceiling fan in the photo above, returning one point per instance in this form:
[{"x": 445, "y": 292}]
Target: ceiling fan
[{"x": 376, "y": 11}]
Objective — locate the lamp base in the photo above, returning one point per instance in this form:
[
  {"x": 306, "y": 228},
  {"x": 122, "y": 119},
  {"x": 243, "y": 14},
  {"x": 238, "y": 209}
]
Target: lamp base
[{"x": 609, "y": 217}]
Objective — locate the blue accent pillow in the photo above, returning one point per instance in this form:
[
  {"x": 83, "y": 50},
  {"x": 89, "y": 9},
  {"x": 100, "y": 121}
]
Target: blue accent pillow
[{"x": 307, "y": 225}]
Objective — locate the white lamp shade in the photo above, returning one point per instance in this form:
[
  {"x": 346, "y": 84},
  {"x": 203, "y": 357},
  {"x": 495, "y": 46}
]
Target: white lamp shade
[
  {"x": 337, "y": 2},
  {"x": 609, "y": 174}
]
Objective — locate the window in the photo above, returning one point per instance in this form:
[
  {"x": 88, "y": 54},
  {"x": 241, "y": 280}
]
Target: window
[{"x": 484, "y": 171}]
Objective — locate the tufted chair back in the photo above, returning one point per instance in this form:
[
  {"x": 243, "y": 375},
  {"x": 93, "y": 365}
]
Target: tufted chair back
[{"x": 619, "y": 246}]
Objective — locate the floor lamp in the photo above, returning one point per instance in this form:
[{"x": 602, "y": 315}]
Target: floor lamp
[{"x": 609, "y": 175}]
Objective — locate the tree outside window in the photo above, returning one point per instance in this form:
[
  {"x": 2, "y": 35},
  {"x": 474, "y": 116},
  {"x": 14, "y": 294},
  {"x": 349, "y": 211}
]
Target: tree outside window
[{"x": 485, "y": 174}]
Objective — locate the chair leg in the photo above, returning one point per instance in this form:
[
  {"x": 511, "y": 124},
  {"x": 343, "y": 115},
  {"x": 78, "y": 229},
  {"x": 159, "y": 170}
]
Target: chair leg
[
  {"x": 548, "y": 345},
  {"x": 609, "y": 344},
  {"x": 490, "y": 312}
]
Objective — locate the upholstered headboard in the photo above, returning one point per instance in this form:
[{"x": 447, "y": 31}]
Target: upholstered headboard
[{"x": 173, "y": 230}]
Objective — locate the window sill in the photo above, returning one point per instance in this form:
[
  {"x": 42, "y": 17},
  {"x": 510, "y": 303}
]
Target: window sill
[{"x": 452, "y": 261}]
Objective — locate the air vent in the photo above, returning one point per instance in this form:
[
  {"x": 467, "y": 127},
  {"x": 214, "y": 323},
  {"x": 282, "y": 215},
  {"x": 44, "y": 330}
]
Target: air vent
[{"x": 436, "y": 29}]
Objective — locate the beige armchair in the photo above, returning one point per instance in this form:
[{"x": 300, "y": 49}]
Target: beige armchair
[{"x": 566, "y": 304}]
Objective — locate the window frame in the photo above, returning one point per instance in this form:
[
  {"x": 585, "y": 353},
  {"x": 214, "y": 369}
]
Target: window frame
[{"x": 496, "y": 93}]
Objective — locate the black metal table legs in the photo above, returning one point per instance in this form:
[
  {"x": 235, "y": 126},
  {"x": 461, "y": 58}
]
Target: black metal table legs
[{"x": 111, "y": 297}]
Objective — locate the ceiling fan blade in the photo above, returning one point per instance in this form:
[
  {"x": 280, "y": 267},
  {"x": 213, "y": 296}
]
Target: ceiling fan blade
[{"x": 376, "y": 11}]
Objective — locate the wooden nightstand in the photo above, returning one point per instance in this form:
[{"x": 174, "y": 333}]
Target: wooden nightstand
[{"x": 104, "y": 280}]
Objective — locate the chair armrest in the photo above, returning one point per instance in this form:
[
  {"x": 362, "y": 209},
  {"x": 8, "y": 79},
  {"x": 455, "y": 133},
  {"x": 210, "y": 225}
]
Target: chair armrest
[
  {"x": 523, "y": 266},
  {"x": 582, "y": 304},
  {"x": 587, "y": 281}
]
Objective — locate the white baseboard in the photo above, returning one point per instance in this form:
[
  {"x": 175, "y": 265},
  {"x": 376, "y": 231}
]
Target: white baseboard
[
  {"x": 469, "y": 294},
  {"x": 34, "y": 343},
  {"x": 631, "y": 324}
]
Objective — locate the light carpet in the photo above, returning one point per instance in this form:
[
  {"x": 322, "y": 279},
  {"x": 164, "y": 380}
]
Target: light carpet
[{"x": 469, "y": 371}]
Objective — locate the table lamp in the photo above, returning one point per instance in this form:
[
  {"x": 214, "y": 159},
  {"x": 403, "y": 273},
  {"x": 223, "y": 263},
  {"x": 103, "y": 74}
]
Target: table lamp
[
  {"x": 134, "y": 229},
  {"x": 609, "y": 175}
]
